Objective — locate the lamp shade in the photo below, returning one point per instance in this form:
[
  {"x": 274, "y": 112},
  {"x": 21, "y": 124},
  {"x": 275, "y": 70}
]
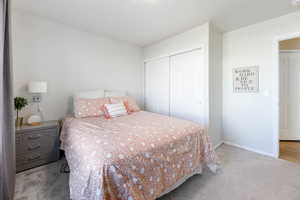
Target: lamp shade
[{"x": 37, "y": 87}]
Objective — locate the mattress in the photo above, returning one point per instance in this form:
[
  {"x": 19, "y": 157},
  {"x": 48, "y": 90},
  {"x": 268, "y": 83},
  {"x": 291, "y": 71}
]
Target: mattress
[{"x": 136, "y": 157}]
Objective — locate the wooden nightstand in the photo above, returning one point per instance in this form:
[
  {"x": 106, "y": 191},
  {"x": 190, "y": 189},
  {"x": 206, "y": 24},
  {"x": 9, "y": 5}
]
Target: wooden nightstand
[{"x": 37, "y": 145}]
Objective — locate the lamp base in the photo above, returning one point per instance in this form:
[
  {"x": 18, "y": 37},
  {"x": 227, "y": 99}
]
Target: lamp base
[
  {"x": 34, "y": 120},
  {"x": 35, "y": 124}
]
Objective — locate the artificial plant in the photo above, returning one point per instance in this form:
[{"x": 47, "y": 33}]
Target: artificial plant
[{"x": 20, "y": 103}]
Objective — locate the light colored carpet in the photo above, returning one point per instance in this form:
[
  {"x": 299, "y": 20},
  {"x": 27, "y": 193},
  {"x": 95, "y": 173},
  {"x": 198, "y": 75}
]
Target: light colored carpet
[{"x": 244, "y": 176}]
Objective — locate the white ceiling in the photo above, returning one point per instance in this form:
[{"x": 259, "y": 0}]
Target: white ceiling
[{"x": 144, "y": 22}]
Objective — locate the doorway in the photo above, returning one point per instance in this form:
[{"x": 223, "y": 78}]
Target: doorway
[{"x": 289, "y": 98}]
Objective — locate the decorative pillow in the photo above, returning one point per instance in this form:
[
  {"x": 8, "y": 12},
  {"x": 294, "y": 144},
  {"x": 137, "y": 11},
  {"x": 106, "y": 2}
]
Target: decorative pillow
[
  {"x": 105, "y": 112},
  {"x": 129, "y": 102},
  {"x": 114, "y": 110},
  {"x": 89, "y": 107}
]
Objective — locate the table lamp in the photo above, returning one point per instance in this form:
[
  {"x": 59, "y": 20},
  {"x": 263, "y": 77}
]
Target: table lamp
[{"x": 37, "y": 88}]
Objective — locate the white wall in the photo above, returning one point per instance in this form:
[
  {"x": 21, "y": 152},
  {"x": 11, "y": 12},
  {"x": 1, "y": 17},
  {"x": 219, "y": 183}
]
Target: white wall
[
  {"x": 70, "y": 60},
  {"x": 202, "y": 36},
  {"x": 191, "y": 39},
  {"x": 248, "y": 118}
]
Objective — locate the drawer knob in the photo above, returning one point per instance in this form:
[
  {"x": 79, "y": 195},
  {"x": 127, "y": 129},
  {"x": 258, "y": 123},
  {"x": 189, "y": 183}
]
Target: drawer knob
[
  {"x": 34, "y": 147},
  {"x": 33, "y": 158},
  {"x": 34, "y": 137}
]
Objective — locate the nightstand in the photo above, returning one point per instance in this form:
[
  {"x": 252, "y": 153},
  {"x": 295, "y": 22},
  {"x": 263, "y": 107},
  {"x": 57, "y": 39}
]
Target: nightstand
[{"x": 37, "y": 145}]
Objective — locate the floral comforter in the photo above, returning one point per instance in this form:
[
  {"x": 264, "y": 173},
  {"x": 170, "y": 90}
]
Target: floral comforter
[{"x": 134, "y": 157}]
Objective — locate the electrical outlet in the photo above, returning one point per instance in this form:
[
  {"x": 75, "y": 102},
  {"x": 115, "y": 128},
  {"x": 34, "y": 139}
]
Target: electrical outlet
[{"x": 36, "y": 99}]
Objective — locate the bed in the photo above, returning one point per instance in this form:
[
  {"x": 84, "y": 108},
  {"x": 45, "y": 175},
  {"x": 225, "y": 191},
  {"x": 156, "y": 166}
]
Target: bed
[{"x": 140, "y": 156}]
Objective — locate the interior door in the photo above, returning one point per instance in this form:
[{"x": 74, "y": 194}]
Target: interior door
[
  {"x": 290, "y": 96},
  {"x": 157, "y": 86},
  {"x": 187, "y": 86}
]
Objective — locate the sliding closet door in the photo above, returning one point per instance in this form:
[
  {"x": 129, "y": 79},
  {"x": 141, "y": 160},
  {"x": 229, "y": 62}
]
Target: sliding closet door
[
  {"x": 157, "y": 86},
  {"x": 188, "y": 86}
]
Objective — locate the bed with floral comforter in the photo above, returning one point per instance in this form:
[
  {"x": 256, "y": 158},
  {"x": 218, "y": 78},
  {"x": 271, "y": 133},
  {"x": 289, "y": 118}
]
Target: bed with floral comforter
[{"x": 136, "y": 157}]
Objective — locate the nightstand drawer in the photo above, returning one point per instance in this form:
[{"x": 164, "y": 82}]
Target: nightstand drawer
[
  {"x": 34, "y": 159},
  {"x": 43, "y": 141}
]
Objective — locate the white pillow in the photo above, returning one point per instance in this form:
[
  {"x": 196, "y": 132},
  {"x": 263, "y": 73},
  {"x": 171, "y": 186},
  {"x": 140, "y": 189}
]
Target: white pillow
[
  {"x": 92, "y": 94},
  {"x": 116, "y": 110},
  {"x": 114, "y": 93}
]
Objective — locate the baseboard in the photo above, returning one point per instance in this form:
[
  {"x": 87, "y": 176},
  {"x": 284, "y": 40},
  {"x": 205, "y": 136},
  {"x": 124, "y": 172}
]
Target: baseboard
[
  {"x": 219, "y": 144},
  {"x": 249, "y": 149}
]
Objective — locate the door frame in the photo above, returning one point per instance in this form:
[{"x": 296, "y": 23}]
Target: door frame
[{"x": 276, "y": 89}]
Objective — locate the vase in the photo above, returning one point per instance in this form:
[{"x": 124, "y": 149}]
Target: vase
[{"x": 19, "y": 122}]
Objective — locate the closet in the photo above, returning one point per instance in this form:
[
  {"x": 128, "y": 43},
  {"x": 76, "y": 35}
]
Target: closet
[
  {"x": 157, "y": 86},
  {"x": 183, "y": 78},
  {"x": 175, "y": 85}
]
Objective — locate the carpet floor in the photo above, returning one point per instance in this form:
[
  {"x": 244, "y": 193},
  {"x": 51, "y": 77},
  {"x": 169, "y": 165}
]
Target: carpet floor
[{"x": 244, "y": 176}]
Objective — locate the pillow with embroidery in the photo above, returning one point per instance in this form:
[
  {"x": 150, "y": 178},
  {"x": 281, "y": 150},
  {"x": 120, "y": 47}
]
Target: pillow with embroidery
[
  {"x": 129, "y": 103},
  {"x": 114, "y": 110}
]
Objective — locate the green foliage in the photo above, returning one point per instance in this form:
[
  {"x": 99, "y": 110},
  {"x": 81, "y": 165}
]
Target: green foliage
[{"x": 20, "y": 102}]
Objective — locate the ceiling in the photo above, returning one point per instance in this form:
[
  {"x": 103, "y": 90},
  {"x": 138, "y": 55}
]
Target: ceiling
[{"x": 143, "y": 22}]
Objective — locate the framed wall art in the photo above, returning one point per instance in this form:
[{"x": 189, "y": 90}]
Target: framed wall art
[{"x": 246, "y": 79}]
